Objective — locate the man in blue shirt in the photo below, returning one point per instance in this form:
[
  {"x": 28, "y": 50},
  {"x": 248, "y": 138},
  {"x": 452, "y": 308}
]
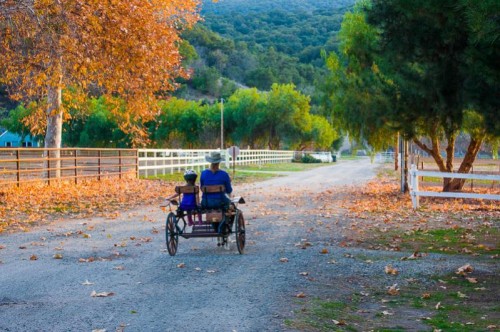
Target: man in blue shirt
[{"x": 215, "y": 176}]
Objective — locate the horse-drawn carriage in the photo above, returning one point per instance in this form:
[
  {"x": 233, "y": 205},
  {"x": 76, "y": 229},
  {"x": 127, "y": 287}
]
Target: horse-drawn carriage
[{"x": 218, "y": 220}]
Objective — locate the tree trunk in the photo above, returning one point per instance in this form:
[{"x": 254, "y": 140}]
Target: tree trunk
[
  {"x": 450, "y": 184},
  {"x": 466, "y": 165},
  {"x": 434, "y": 151},
  {"x": 274, "y": 140},
  {"x": 396, "y": 152},
  {"x": 53, "y": 136}
]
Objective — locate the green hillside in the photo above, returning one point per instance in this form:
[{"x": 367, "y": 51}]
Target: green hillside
[
  {"x": 258, "y": 43},
  {"x": 297, "y": 28}
]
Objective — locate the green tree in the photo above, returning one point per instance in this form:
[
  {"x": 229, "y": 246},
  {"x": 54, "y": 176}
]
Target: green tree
[
  {"x": 287, "y": 116},
  {"x": 179, "y": 124},
  {"x": 410, "y": 69},
  {"x": 432, "y": 50},
  {"x": 320, "y": 136},
  {"x": 245, "y": 112},
  {"x": 355, "y": 92},
  {"x": 92, "y": 124},
  {"x": 14, "y": 121}
]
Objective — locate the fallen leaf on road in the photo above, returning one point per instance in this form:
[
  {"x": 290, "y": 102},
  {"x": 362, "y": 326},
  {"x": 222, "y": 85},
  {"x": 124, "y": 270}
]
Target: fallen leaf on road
[
  {"x": 300, "y": 295},
  {"x": 463, "y": 270},
  {"x": 33, "y": 258},
  {"x": 181, "y": 265},
  {"x": 390, "y": 270},
  {"x": 415, "y": 255},
  {"x": 86, "y": 260},
  {"x": 304, "y": 273},
  {"x": 472, "y": 280},
  {"x": 284, "y": 260},
  {"x": 393, "y": 290},
  {"x": 58, "y": 256},
  {"x": 119, "y": 267},
  {"x": 101, "y": 294},
  {"x": 426, "y": 296},
  {"x": 339, "y": 322}
]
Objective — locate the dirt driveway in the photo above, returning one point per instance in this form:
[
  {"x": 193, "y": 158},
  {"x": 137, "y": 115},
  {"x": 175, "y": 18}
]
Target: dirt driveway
[{"x": 48, "y": 276}]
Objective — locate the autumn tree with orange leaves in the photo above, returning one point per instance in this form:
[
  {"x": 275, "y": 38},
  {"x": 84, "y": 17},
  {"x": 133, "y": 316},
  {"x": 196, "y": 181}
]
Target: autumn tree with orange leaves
[{"x": 107, "y": 47}]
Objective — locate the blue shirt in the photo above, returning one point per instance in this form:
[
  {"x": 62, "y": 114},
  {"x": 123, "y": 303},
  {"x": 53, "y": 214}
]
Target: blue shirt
[{"x": 209, "y": 178}]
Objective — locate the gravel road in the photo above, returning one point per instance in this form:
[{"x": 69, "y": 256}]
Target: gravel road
[{"x": 202, "y": 288}]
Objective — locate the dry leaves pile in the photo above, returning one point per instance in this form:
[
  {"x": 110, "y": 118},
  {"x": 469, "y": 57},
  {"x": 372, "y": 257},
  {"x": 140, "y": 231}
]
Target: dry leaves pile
[
  {"x": 381, "y": 207},
  {"x": 38, "y": 203}
]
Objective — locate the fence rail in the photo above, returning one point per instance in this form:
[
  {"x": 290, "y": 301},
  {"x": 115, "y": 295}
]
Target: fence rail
[
  {"x": 415, "y": 193},
  {"x": 152, "y": 162},
  {"x": 24, "y": 165}
]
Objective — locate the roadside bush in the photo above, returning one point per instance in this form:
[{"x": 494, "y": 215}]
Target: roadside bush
[{"x": 308, "y": 159}]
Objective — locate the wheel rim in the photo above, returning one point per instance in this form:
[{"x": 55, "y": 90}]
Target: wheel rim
[
  {"x": 240, "y": 232},
  {"x": 172, "y": 236}
]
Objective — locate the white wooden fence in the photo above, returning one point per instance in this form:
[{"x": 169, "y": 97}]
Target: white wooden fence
[
  {"x": 415, "y": 193},
  {"x": 167, "y": 161},
  {"x": 385, "y": 157}
]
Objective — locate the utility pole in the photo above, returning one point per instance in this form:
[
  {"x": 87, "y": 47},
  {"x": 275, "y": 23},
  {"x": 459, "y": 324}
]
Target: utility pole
[{"x": 222, "y": 124}]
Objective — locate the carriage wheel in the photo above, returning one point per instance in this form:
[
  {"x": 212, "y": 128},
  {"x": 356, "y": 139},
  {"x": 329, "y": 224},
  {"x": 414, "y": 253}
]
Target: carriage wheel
[
  {"x": 172, "y": 236},
  {"x": 240, "y": 231}
]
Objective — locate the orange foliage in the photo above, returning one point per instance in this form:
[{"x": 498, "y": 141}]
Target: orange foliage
[{"x": 127, "y": 48}]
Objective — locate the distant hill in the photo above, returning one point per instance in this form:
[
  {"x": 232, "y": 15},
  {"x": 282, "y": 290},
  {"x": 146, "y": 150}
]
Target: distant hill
[
  {"x": 300, "y": 28},
  {"x": 246, "y": 6},
  {"x": 260, "y": 42}
]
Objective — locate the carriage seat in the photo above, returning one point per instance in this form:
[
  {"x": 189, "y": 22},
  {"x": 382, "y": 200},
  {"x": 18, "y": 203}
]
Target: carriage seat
[{"x": 192, "y": 202}]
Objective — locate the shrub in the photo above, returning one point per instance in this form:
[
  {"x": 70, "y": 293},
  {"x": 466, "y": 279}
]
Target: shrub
[{"x": 308, "y": 159}]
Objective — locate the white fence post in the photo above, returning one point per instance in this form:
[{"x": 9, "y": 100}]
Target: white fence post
[{"x": 414, "y": 187}]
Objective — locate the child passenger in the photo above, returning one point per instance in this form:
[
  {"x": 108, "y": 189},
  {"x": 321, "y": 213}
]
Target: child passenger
[{"x": 190, "y": 201}]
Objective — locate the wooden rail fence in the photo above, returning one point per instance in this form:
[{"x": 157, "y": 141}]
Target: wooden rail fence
[{"x": 24, "y": 165}]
